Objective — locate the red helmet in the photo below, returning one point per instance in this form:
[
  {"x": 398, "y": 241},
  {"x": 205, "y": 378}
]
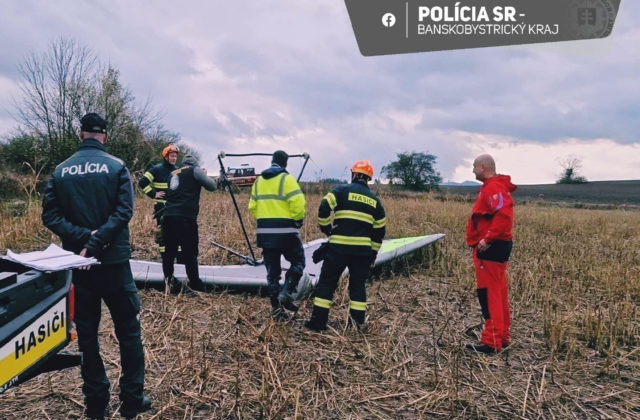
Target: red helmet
[
  {"x": 363, "y": 167},
  {"x": 172, "y": 148}
]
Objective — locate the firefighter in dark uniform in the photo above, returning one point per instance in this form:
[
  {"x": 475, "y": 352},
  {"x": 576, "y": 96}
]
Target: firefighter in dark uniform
[
  {"x": 154, "y": 184},
  {"x": 355, "y": 237},
  {"x": 180, "y": 221},
  {"x": 279, "y": 206},
  {"x": 88, "y": 203}
]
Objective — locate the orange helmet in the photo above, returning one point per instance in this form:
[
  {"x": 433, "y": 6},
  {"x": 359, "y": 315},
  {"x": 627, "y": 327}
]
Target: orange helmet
[
  {"x": 363, "y": 167},
  {"x": 172, "y": 148}
]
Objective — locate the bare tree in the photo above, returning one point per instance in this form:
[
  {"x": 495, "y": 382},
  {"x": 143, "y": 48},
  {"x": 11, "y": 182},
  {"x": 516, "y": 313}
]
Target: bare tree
[
  {"x": 67, "y": 81},
  {"x": 571, "y": 165},
  {"x": 53, "y": 87}
]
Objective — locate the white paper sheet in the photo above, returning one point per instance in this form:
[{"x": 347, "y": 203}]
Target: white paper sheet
[{"x": 53, "y": 258}]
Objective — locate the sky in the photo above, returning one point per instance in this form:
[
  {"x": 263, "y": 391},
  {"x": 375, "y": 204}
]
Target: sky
[{"x": 256, "y": 76}]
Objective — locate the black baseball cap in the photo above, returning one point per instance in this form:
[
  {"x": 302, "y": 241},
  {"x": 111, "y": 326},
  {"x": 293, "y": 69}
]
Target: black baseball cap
[{"x": 93, "y": 123}]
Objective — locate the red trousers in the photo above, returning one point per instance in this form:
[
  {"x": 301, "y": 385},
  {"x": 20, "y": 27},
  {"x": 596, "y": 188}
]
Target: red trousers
[{"x": 491, "y": 278}]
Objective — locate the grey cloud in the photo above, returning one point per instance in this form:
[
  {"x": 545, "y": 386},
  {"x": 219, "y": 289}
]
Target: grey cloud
[{"x": 293, "y": 67}]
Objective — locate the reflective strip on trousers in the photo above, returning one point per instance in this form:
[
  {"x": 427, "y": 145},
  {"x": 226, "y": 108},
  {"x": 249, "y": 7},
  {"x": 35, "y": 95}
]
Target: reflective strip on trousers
[
  {"x": 322, "y": 303},
  {"x": 358, "y": 306},
  {"x": 277, "y": 230},
  {"x": 376, "y": 245},
  {"x": 157, "y": 200}
]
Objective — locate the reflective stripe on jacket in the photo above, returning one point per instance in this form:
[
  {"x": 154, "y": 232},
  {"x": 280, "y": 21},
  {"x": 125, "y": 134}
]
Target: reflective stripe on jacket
[
  {"x": 156, "y": 179},
  {"x": 359, "y": 221},
  {"x": 279, "y": 206}
]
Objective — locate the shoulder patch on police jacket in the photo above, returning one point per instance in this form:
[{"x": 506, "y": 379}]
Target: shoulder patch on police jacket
[{"x": 362, "y": 199}]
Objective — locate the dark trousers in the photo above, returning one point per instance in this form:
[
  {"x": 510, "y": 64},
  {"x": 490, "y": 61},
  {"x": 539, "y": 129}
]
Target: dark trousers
[
  {"x": 161, "y": 243},
  {"x": 181, "y": 232},
  {"x": 295, "y": 255},
  {"x": 332, "y": 269},
  {"x": 113, "y": 284}
]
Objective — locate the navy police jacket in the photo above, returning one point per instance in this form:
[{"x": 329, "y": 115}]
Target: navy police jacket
[{"x": 91, "y": 191}]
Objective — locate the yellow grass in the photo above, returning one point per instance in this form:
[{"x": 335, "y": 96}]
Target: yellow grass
[{"x": 575, "y": 297}]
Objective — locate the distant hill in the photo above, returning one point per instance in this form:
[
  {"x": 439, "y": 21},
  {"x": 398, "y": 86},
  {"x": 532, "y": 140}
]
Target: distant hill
[
  {"x": 460, "y": 184},
  {"x": 612, "y": 192}
]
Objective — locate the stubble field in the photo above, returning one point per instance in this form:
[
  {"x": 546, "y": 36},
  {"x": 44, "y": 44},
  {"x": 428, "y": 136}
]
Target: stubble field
[{"x": 575, "y": 298}]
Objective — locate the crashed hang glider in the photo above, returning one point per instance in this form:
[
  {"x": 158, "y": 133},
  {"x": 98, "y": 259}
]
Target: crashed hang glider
[{"x": 251, "y": 277}]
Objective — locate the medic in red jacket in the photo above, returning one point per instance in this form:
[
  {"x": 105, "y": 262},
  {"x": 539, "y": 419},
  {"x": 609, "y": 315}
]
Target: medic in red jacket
[{"x": 490, "y": 234}]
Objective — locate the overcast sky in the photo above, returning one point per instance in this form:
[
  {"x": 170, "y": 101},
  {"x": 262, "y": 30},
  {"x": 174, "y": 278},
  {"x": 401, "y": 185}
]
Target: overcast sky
[{"x": 263, "y": 75}]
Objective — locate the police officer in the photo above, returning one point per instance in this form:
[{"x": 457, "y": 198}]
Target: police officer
[
  {"x": 180, "y": 221},
  {"x": 154, "y": 184},
  {"x": 88, "y": 203},
  {"x": 355, "y": 237},
  {"x": 279, "y": 206}
]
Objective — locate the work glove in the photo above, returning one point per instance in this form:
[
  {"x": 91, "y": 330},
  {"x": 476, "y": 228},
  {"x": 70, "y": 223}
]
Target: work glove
[
  {"x": 320, "y": 253},
  {"x": 326, "y": 229}
]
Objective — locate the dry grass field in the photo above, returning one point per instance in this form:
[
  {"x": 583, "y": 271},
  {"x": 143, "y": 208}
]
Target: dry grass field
[{"x": 575, "y": 297}]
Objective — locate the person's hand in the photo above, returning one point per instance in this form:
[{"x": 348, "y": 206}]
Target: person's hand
[
  {"x": 483, "y": 245},
  {"x": 160, "y": 194},
  {"x": 83, "y": 253}
]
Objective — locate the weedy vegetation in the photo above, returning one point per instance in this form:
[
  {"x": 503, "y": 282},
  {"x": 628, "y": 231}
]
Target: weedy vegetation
[{"x": 575, "y": 298}]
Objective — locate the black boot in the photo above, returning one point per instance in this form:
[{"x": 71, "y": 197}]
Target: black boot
[
  {"x": 129, "y": 411},
  {"x": 96, "y": 408},
  {"x": 198, "y": 285},
  {"x": 286, "y": 299},
  {"x": 481, "y": 348},
  {"x": 277, "y": 312},
  {"x": 172, "y": 285},
  {"x": 288, "y": 290},
  {"x": 318, "y": 320},
  {"x": 356, "y": 319}
]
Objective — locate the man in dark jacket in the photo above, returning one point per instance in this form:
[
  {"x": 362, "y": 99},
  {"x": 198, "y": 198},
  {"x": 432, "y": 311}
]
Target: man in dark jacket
[
  {"x": 279, "y": 206},
  {"x": 154, "y": 184},
  {"x": 180, "y": 221},
  {"x": 355, "y": 237},
  {"x": 490, "y": 234},
  {"x": 88, "y": 203}
]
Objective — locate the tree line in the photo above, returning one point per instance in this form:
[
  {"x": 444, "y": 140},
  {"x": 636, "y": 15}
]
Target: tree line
[{"x": 57, "y": 88}]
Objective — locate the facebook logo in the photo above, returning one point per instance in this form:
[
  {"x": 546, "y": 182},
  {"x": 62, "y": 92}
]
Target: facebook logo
[
  {"x": 388, "y": 20},
  {"x": 586, "y": 16}
]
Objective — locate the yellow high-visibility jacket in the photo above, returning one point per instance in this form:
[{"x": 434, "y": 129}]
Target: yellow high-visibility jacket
[{"x": 279, "y": 206}]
